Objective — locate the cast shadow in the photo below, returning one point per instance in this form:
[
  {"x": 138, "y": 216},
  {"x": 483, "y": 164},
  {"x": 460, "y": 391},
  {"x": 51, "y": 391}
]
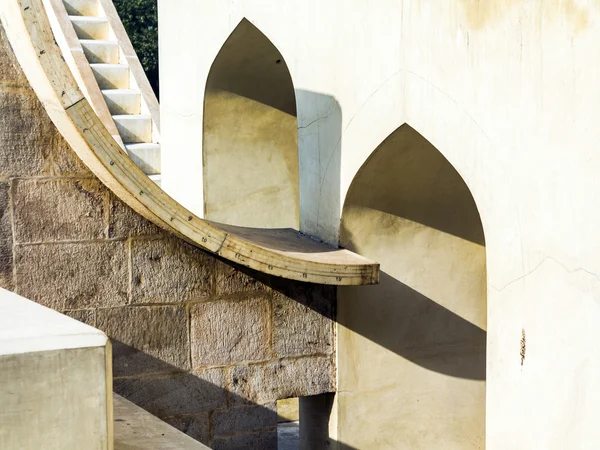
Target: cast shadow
[
  {"x": 196, "y": 404},
  {"x": 413, "y": 326},
  {"x": 427, "y": 333}
]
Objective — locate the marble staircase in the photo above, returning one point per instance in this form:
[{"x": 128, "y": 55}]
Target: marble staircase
[{"x": 113, "y": 75}]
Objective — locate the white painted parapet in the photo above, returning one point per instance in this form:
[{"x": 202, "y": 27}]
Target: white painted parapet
[{"x": 55, "y": 380}]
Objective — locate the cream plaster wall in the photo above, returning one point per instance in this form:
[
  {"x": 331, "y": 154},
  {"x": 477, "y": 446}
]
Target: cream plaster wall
[
  {"x": 507, "y": 91},
  {"x": 250, "y": 163},
  {"x": 411, "y": 361}
]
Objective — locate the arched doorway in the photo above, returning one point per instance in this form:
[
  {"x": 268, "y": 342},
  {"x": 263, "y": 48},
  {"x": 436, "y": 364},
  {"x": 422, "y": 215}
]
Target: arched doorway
[
  {"x": 250, "y": 144},
  {"x": 411, "y": 351}
]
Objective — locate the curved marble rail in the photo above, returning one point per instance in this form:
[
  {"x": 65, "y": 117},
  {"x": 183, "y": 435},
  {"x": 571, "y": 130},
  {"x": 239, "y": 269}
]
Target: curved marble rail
[{"x": 285, "y": 252}]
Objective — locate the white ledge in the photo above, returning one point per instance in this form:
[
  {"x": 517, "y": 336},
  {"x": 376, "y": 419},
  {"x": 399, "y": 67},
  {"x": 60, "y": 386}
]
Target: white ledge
[{"x": 27, "y": 327}]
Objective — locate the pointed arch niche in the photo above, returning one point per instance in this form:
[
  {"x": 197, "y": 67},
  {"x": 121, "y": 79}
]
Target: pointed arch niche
[
  {"x": 412, "y": 350},
  {"x": 250, "y": 150}
]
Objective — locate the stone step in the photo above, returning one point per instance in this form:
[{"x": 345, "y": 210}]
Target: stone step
[
  {"x": 138, "y": 429},
  {"x": 105, "y": 52},
  {"x": 123, "y": 101},
  {"x": 90, "y": 27},
  {"x": 111, "y": 76},
  {"x": 146, "y": 156},
  {"x": 134, "y": 128},
  {"x": 81, "y": 7}
]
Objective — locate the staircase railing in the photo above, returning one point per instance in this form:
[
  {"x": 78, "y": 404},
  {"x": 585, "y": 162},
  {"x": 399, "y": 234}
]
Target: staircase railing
[{"x": 138, "y": 75}]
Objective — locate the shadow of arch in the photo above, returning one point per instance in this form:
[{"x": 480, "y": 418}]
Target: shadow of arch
[
  {"x": 250, "y": 144},
  {"x": 421, "y": 331},
  {"x": 435, "y": 114}
]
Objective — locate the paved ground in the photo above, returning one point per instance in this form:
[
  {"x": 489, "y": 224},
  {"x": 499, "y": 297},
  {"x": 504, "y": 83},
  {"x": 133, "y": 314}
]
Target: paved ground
[
  {"x": 136, "y": 429},
  {"x": 288, "y": 436}
]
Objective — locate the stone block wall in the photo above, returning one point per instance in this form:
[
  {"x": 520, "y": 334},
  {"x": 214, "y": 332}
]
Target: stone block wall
[{"x": 204, "y": 345}]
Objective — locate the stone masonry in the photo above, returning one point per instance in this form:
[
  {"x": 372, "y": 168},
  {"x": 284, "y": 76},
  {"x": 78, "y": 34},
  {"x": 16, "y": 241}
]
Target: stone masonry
[{"x": 205, "y": 346}]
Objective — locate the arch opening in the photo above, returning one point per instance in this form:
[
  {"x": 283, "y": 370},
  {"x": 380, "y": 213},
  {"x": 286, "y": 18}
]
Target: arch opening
[
  {"x": 250, "y": 144},
  {"x": 412, "y": 350}
]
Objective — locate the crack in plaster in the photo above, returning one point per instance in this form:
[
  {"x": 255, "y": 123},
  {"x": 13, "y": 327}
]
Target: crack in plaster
[
  {"x": 547, "y": 258},
  {"x": 318, "y": 119},
  {"x": 188, "y": 115}
]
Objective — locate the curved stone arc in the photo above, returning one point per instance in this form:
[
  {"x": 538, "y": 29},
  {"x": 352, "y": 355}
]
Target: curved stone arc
[{"x": 285, "y": 252}]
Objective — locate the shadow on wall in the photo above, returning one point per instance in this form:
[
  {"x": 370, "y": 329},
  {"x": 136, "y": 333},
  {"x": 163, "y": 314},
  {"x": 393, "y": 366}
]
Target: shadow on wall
[
  {"x": 213, "y": 404},
  {"x": 269, "y": 150},
  {"x": 414, "y": 326},
  {"x": 177, "y": 400},
  {"x": 409, "y": 209},
  {"x": 198, "y": 404}
]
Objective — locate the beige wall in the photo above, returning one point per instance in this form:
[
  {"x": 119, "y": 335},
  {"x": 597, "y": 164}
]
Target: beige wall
[
  {"x": 411, "y": 350},
  {"x": 250, "y": 145},
  {"x": 506, "y": 91}
]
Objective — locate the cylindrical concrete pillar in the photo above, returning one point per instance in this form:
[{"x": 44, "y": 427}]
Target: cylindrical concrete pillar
[{"x": 315, "y": 413}]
